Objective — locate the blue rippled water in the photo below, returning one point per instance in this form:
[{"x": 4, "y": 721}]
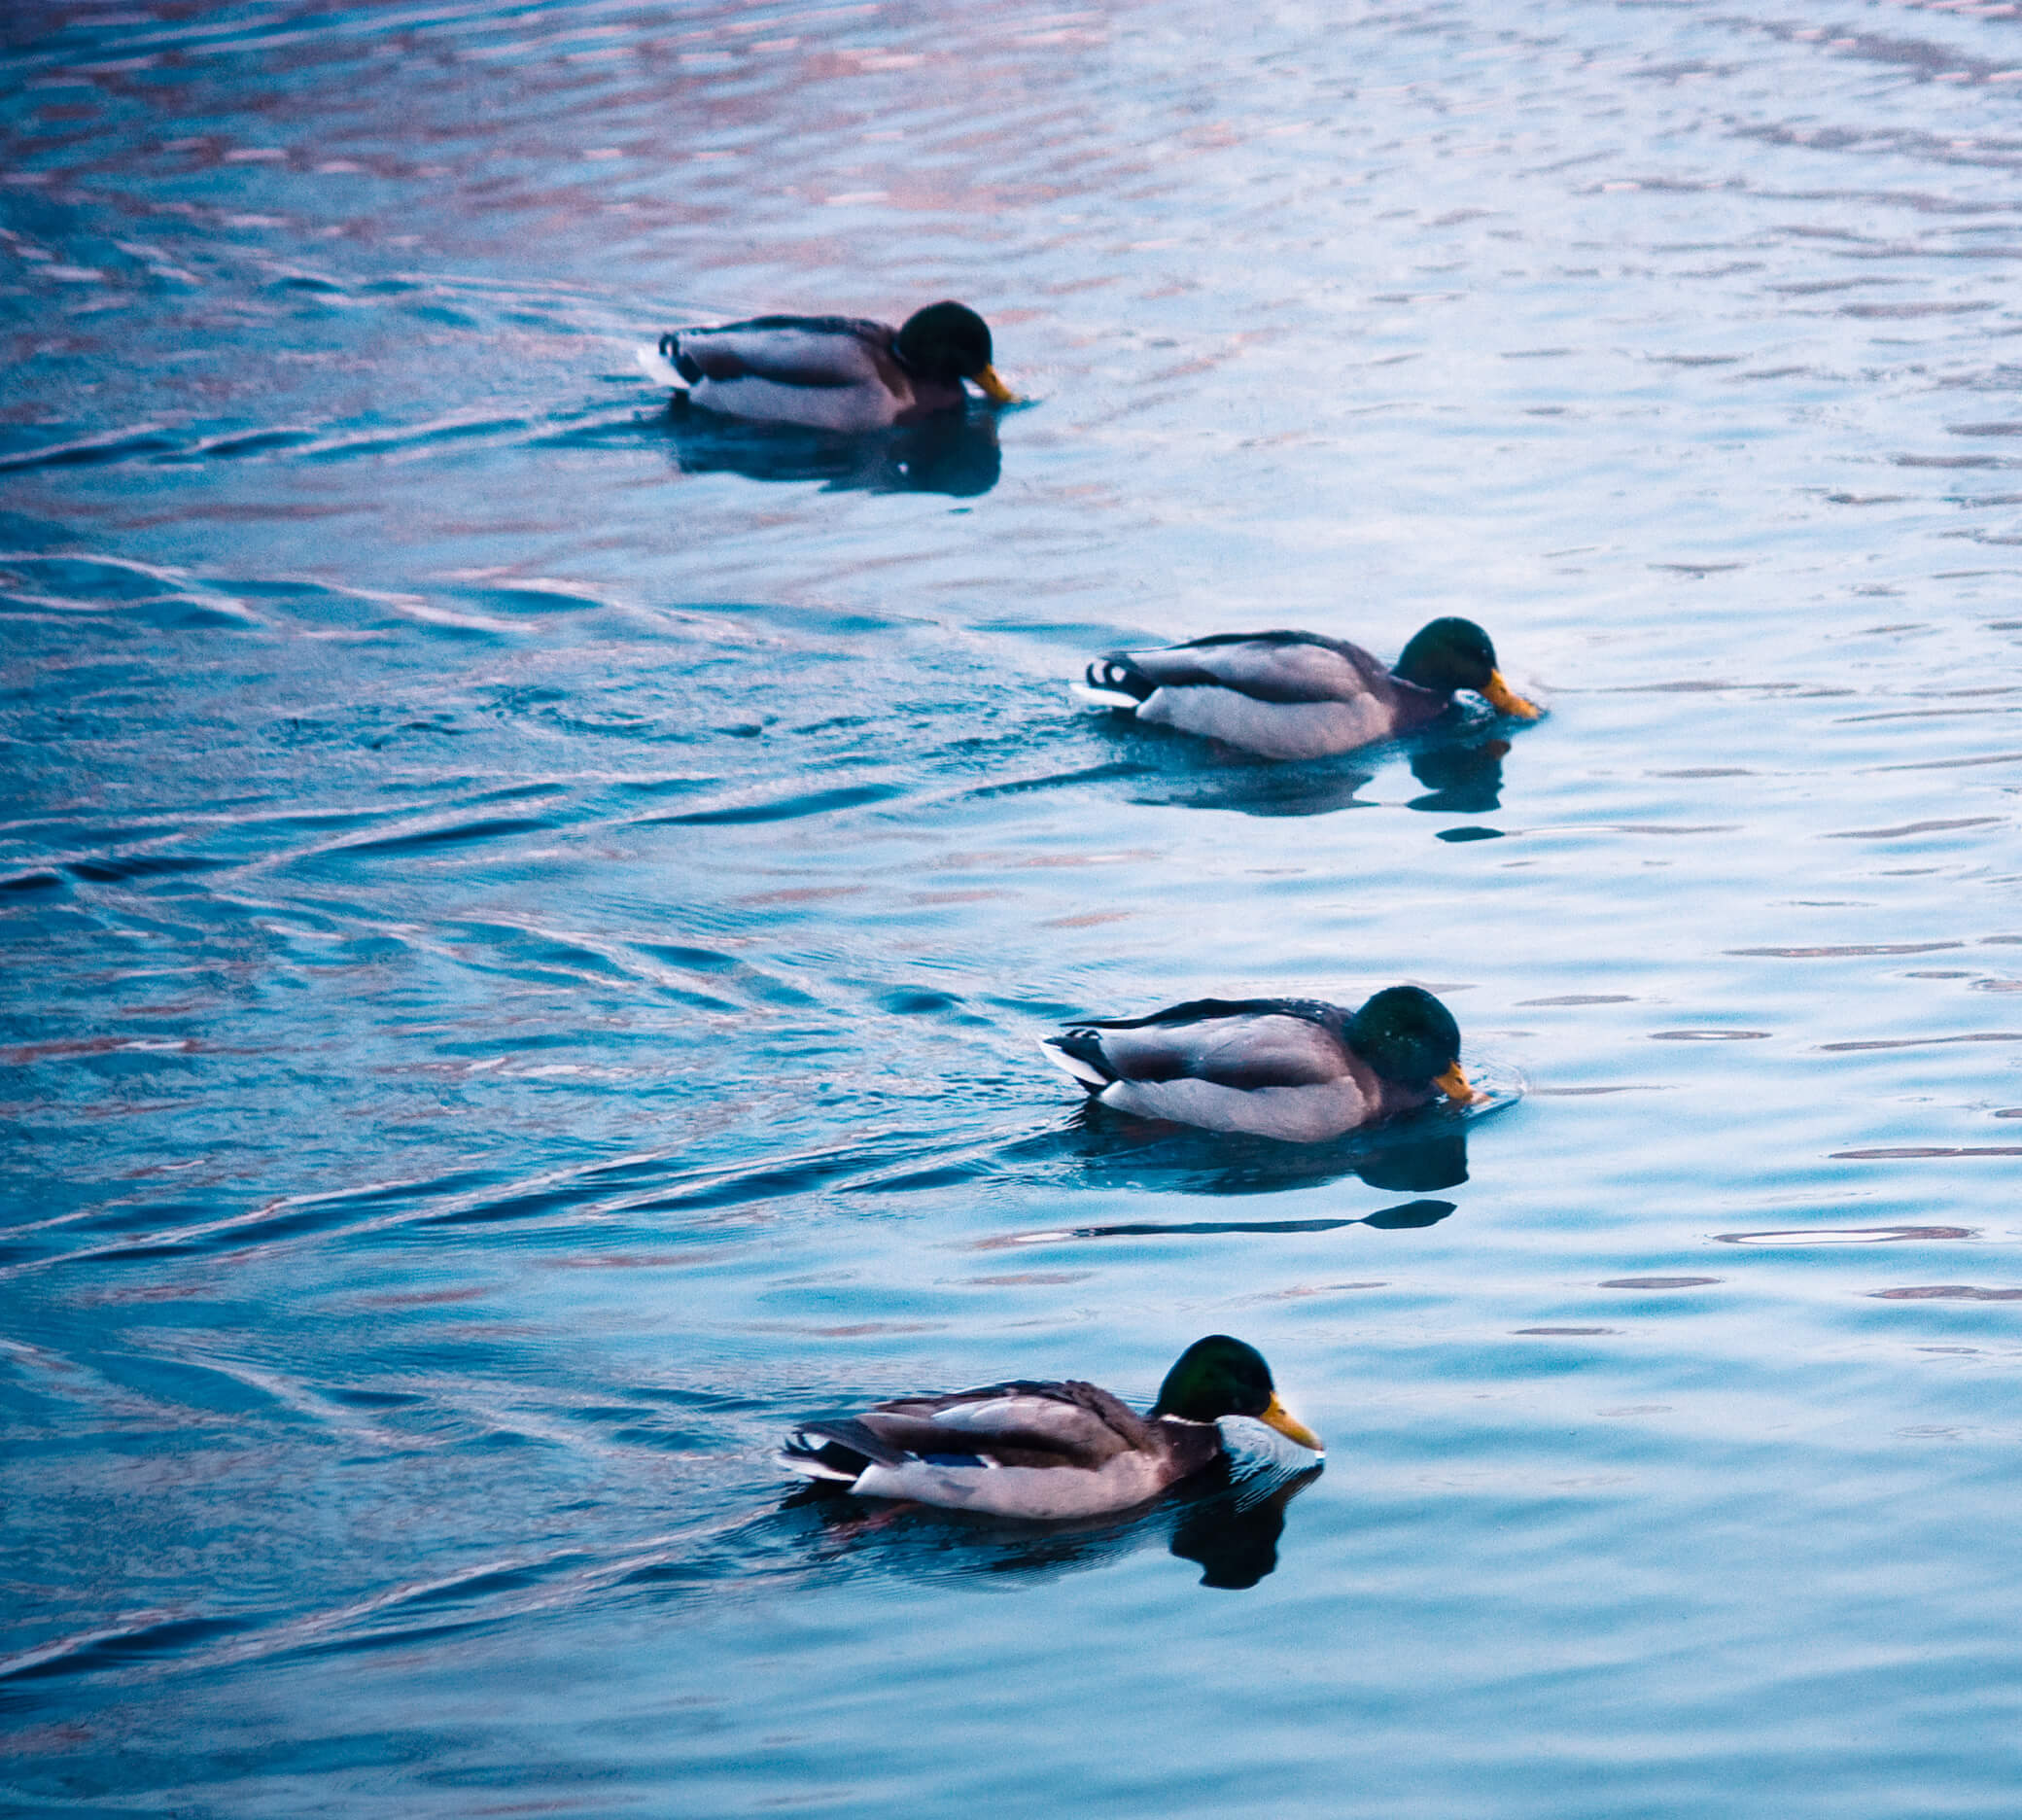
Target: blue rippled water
[{"x": 526, "y": 917}]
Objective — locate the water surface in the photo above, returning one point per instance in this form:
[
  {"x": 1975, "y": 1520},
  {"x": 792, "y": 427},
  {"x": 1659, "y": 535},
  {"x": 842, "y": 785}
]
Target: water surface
[{"x": 527, "y": 918}]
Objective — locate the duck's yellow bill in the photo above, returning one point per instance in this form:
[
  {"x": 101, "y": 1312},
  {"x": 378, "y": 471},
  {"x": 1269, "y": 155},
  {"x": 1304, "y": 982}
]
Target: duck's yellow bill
[
  {"x": 1277, "y": 1415},
  {"x": 1454, "y": 1084},
  {"x": 1505, "y": 700},
  {"x": 994, "y": 389}
]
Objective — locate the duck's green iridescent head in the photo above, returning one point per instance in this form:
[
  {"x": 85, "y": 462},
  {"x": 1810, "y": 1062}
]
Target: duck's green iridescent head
[
  {"x": 948, "y": 342},
  {"x": 1451, "y": 654},
  {"x": 1408, "y": 1036},
  {"x": 1219, "y": 1377}
]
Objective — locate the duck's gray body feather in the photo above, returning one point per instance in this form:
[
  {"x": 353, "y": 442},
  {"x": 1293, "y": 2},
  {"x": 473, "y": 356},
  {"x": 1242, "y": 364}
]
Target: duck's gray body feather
[
  {"x": 1278, "y": 694},
  {"x": 1274, "y": 1068},
  {"x": 823, "y": 372},
  {"x": 1016, "y": 1450}
]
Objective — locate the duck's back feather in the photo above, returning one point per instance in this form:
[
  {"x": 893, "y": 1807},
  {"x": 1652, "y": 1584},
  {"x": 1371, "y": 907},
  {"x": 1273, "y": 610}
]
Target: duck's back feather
[
  {"x": 1283, "y": 694},
  {"x": 1021, "y": 1448},
  {"x": 1276, "y": 1067},
  {"x": 1281, "y": 667},
  {"x": 1068, "y": 1424},
  {"x": 786, "y": 350},
  {"x": 1244, "y": 1043},
  {"x": 824, "y": 372}
]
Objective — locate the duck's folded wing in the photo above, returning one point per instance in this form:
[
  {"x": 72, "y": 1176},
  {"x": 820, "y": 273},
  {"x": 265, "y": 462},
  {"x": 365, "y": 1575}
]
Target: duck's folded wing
[
  {"x": 1070, "y": 1424},
  {"x": 1243, "y": 1044},
  {"x": 815, "y": 350},
  {"x": 1277, "y": 667}
]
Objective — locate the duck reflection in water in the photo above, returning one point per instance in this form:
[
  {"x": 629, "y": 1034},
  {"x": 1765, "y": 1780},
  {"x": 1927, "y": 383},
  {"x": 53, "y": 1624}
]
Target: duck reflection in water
[
  {"x": 1460, "y": 779},
  {"x": 1461, "y": 776},
  {"x": 955, "y": 453},
  {"x": 1413, "y": 1155},
  {"x": 1104, "y": 1150},
  {"x": 1226, "y": 1521}
]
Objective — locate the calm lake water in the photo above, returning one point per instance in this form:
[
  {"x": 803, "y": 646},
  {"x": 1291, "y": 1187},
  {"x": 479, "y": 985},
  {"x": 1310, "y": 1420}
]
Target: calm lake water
[{"x": 526, "y": 918}]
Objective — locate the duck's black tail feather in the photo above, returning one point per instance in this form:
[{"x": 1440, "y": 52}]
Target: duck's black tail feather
[
  {"x": 1081, "y": 1054},
  {"x": 840, "y": 1451}
]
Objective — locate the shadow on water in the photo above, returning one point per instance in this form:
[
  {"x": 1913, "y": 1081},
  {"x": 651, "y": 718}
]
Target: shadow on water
[
  {"x": 954, "y": 453},
  {"x": 1260, "y": 787},
  {"x": 1226, "y": 1520},
  {"x": 1175, "y": 770},
  {"x": 1460, "y": 779},
  {"x": 1101, "y": 1148},
  {"x": 1461, "y": 772}
]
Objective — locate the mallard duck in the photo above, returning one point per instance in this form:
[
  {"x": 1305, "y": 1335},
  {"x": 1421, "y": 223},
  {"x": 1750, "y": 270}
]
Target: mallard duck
[
  {"x": 1299, "y": 695},
  {"x": 1293, "y": 1068},
  {"x": 834, "y": 373},
  {"x": 1046, "y": 1450}
]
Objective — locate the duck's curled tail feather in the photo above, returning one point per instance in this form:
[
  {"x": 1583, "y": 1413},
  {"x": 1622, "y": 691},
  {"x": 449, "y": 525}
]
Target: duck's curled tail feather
[
  {"x": 1116, "y": 682},
  {"x": 841, "y": 1451},
  {"x": 1079, "y": 1053},
  {"x": 686, "y": 364}
]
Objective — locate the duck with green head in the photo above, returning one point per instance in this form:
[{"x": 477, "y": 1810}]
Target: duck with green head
[
  {"x": 1300, "y": 695},
  {"x": 1292, "y": 1068},
  {"x": 1048, "y": 1450},
  {"x": 833, "y": 372}
]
